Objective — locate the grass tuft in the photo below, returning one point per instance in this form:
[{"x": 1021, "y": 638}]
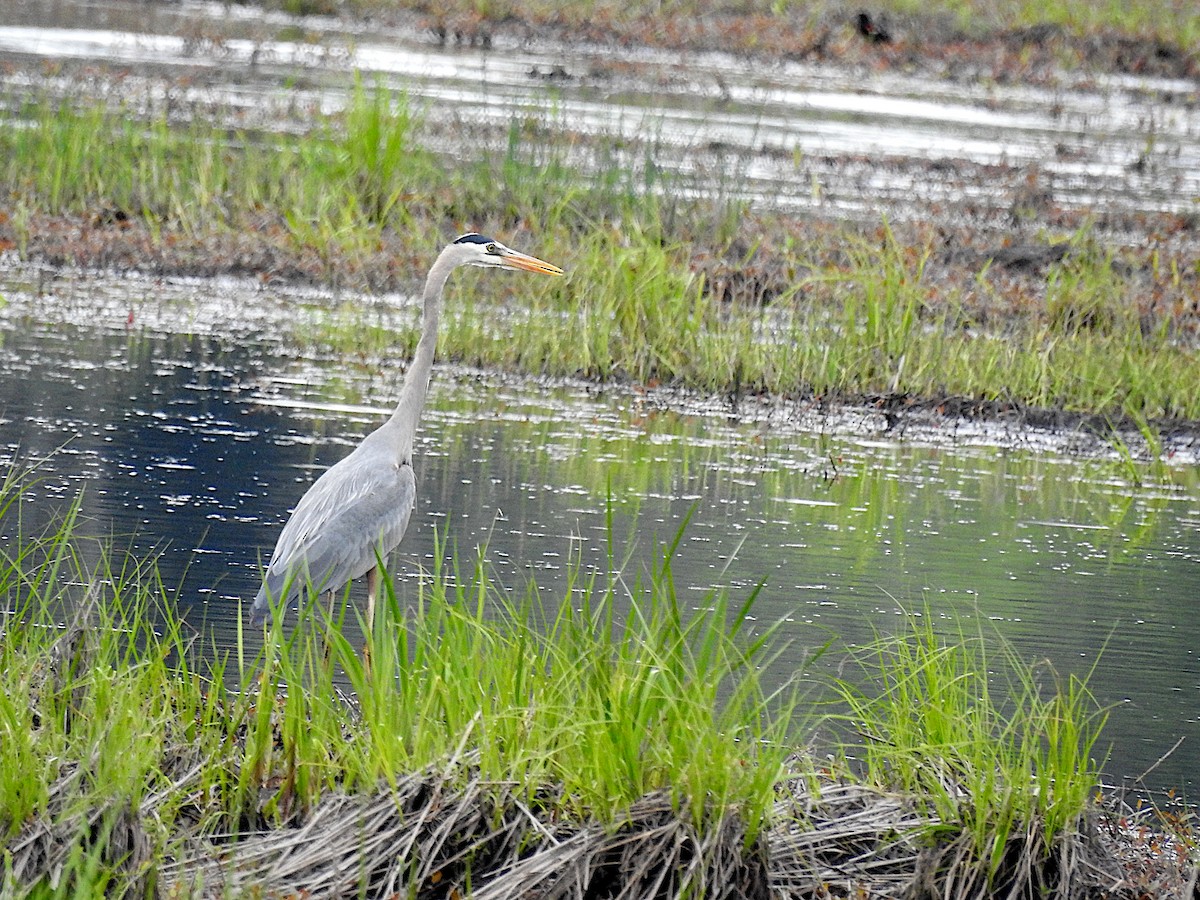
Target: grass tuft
[{"x": 1001, "y": 753}]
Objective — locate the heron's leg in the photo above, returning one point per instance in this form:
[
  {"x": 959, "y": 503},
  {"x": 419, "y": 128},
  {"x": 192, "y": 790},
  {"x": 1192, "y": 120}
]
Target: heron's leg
[
  {"x": 372, "y": 593},
  {"x": 328, "y": 624}
]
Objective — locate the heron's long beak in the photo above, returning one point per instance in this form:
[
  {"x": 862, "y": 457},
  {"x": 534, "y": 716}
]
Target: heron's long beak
[{"x": 515, "y": 260}]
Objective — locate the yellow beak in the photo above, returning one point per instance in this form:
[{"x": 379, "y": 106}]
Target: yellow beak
[{"x": 516, "y": 260}]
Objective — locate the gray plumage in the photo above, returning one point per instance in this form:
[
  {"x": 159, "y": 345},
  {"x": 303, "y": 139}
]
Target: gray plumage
[{"x": 355, "y": 514}]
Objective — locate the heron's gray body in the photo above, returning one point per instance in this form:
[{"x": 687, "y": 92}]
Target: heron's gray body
[
  {"x": 355, "y": 514},
  {"x": 352, "y": 517}
]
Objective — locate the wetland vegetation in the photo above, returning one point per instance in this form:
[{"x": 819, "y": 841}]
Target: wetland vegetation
[
  {"x": 505, "y": 748},
  {"x": 704, "y": 294},
  {"x": 516, "y": 749},
  {"x": 1148, "y": 36}
]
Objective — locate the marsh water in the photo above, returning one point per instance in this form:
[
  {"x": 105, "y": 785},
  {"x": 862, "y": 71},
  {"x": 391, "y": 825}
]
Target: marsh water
[
  {"x": 192, "y": 424},
  {"x": 792, "y": 135}
]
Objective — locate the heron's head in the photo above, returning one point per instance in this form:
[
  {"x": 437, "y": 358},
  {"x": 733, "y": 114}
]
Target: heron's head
[{"x": 477, "y": 250}]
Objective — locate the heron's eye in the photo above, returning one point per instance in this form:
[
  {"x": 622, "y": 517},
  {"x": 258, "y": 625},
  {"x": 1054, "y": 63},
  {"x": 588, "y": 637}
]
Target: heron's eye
[{"x": 491, "y": 248}]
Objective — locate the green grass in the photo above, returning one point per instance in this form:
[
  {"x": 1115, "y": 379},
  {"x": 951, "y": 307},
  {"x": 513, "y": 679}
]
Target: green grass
[
  {"x": 856, "y": 314},
  {"x": 125, "y": 724},
  {"x": 602, "y": 710},
  {"x": 127, "y": 740},
  {"x": 1002, "y": 753},
  {"x": 871, "y": 325},
  {"x": 339, "y": 183}
]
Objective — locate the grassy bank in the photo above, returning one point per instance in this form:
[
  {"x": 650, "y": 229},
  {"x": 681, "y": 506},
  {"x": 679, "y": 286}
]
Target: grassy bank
[
  {"x": 697, "y": 293},
  {"x": 498, "y": 749},
  {"x": 137, "y": 759}
]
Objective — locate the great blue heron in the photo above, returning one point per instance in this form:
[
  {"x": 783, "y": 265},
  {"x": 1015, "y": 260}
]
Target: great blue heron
[{"x": 355, "y": 514}]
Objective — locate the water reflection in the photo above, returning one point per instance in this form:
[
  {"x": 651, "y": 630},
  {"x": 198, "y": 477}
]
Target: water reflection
[{"x": 194, "y": 436}]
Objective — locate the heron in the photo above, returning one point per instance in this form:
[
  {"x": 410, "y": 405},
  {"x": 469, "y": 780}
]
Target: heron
[{"x": 352, "y": 517}]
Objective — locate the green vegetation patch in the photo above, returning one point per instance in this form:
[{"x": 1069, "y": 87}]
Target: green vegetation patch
[
  {"x": 131, "y": 752},
  {"x": 660, "y": 290},
  {"x": 1001, "y": 753},
  {"x": 501, "y": 748}
]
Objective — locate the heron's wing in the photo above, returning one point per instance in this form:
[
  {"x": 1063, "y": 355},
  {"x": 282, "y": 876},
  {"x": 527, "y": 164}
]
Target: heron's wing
[{"x": 357, "y": 509}]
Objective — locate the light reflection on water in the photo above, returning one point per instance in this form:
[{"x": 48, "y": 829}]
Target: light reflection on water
[
  {"x": 1122, "y": 143},
  {"x": 196, "y": 445}
]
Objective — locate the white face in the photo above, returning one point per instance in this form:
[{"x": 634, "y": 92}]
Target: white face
[{"x": 489, "y": 254}]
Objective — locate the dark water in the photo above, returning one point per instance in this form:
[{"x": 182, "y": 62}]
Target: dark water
[{"x": 194, "y": 430}]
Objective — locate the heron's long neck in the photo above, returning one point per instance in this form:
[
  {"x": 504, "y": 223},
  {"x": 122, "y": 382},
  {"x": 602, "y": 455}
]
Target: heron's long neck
[{"x": 403, "y": 422}]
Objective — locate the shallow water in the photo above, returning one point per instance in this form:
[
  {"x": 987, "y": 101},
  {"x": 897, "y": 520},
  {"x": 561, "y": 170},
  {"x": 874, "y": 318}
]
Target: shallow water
[
  {"x": 194, "y": 428},
  {"x": 791, "y": 135}
]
